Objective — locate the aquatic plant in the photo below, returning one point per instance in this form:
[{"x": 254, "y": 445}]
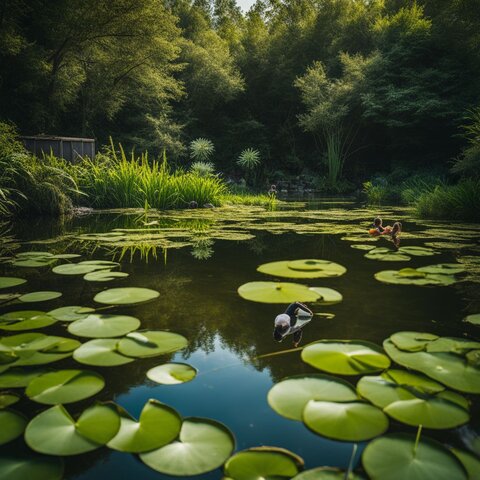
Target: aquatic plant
[
  {"x": 202, "y": 169},
  {"x": 201, "y": 149},
  {"x": 249, "y": 159}
]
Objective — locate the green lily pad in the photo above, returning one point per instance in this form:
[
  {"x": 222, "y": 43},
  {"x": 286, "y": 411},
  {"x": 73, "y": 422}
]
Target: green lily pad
[
  {"x": 418, "y": 251},
  {"x": 473, "y": 358},
  {"x": 382, "y": 392},
  {"x": 419, "y": 382},
  {"x": 34, "y": 254},
  {"x": 64, "y": 386},
  {"x": 362, "y": 247},
  {"x": 443, "y": 268},
  {"x": 328, "y": 296},
  {"x": 13, "y": 425},
  {"x": 104, "y": 276},
  {"x": 158, "y": 425},
  {"x": 83, "y": 268},
  {"x": 310, "y": 268},
  {"x": 435, "y": 413},
  {"x": 345, "y": 357},
  {"x": 412, "y": 341},
  {"x": 275, "y": 292},
  {"x": 203, "y": 445},
  {"x": 7, "y": 399},
  {"x": 20, "y": 465},
  {"x": 126, "y": 296},
  {"x": 411, "y": 276},
  {"x": 289, "y": 397},
  {"x": 70, "y": 314},
  {"x": 25, "y": 320},
  {"x": 55, "y": 432},
  {"x": 448, "y": 368},
  {"x": 103, "y": 326},
  {"x": 33, "y": 262},
  {"x": 263, "y": 463},
  {"x": 39, "y": 296},
  {"x": 474, "y": 319},
  {"x": 65, "y": 256},
  {"x": 347, "y": 421},
  {"x": 8, "y": 282},
  {"x": 470, "y": 462},
  {"x": 453, "y": 345},
  {"x": 101, "y": 353},
  {"x": 150, "y": 343},
  {"x": 18, "y": 377},
  {"x": 394, "y": 457},
  {"x": 172, "y": 373},
  {"x": 327, "y": 473},
  {"x": 386, "y": 255}
]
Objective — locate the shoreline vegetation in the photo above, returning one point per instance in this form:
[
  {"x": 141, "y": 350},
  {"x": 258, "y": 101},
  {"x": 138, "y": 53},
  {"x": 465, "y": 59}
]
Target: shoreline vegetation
[{"x": 114, "y": 179}]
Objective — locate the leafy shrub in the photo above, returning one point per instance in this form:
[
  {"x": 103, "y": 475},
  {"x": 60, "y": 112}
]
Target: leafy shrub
[
  {"x": 453, "y": 202},
  {"x": 29, "y": 185}
]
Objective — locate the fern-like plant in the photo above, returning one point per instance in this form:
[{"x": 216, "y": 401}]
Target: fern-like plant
[
  {"x": 249, "y": 159},
  {"x": 202, "y": 169},
  {"x": 201, "y": 149}
]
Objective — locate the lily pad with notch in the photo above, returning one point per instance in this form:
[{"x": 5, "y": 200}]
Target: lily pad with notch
[
  {"x": 56, "y": 432},
  {"x": 473, "y": 319},
  {"x": 150, "y": 343},
  {"x": 328, "y": 296},
  {"x": 418, "y": 251},
  {"x": 448, "y": 368},
  {"x": 157, "y": 426},
  {"x": 345, "y": 357},
  {"x": 443, "y": 269},
  {"x": 70, "y": 314},
  {"x": 202, "y": 446},
  {"x": 64, "y": 386},
  {"x": 396, "y": 457},
  {"x": 276, "y": 292},
  {"x": 263, "y": 462},
  {"x": 104, "y": 276},
  {"x": 126, "y": 296},
  {"x": 412, "y": 341},
  {"x": 97, "y": 325},
  {"x": 101, "y": 353},
  {"x": 289, "y": 397},
  {"x": 172, "y": 373},
  {"x": 310, "y": 268},
  {"x": 346, "y": 421}
]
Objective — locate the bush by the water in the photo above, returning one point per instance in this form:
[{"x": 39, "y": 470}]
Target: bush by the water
[
  {"x": 29, "y": 186},
  {"x": 452, "y": 202}
]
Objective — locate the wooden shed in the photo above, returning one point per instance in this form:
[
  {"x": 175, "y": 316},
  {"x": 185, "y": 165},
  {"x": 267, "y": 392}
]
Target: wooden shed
[{"x": 69, "y": 148}]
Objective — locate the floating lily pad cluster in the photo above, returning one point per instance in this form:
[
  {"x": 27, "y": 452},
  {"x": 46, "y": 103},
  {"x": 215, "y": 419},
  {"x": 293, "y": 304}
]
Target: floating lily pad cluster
[
  {"x": 333, "y": 408},
  {"x": 162, "y": 439},
  {"x": 451, "y": 361},
  {"x": 92, "y": 270},
  {"x": 433, "y": 275}
]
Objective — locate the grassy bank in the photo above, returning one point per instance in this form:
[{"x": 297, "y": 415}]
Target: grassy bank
[
  {"x": 52, "y": 186},
  {"x": 429, "y": 194}
]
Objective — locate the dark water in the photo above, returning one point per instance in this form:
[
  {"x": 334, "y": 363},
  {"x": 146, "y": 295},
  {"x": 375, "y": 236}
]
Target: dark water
[{"x": 199, "y": 300}]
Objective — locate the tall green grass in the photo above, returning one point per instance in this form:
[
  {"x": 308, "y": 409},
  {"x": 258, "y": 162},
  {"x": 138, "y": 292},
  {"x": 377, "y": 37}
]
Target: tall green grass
[
  {"x": 452, "y": 202},
  {"x": 115, "y": 180}
]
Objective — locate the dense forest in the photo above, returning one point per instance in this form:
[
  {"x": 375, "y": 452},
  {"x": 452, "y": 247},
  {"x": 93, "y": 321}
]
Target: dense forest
[{"x": 379, "y": 84}]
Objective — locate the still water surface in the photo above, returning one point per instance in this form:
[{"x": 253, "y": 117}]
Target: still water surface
[{"x": 198, "y": 299}]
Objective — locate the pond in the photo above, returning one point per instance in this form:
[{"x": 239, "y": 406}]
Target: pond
[{"x": 197, "y": 260}]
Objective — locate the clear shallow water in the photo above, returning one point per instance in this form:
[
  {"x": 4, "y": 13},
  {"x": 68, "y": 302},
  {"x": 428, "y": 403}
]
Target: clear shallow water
[{"x": 198, "y": 299}]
